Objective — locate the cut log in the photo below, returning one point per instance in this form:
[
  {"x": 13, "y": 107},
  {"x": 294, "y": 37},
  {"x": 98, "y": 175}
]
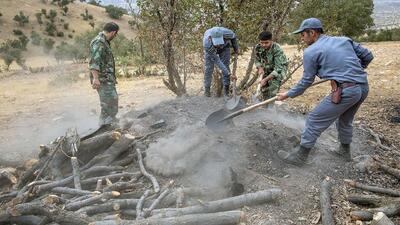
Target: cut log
[
  {"x": 92, "y": 200},
  {"x": 112, "y": 177},
  {"x": 99, "y": 185},
  {"x": 325, "y": 201},
  {"x": 221, "y": 218},
  {"x": 155, "y": 203},
  {"x": 128, "y": 160},
  {"x": 8, "y": 196},
  {"x": 139, "y": 206},
  {"x": 375, "y": 189},
  {"x": 116, "y": 149},
  {"x": 390, "y": 210},
  {"x": 180, "y": 197},
  {"x": 153, "y": 180},
  {"x": 381, "y": 219},
  {"x": 227, "y": 204},
  {"x": 25, "y": 220},
  {"x": 120, "y": 186},
  {"x": 392, "y": 171},
  {"x": 76, "y": 173},
  {"x": 365, "y": 200},
  {"x": 54, "y": 213},
  {"x": 70, "y": 191},
  {"x": 110, "y": 206}
]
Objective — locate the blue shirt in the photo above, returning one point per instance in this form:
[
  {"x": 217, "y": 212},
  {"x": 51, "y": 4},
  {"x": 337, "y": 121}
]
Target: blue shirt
[
  {"x": 210, "y": 51},
  {"x": 333, "y": 58}
]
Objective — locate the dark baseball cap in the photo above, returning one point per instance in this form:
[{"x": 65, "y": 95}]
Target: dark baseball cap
[{"x": 310, "y": 23}]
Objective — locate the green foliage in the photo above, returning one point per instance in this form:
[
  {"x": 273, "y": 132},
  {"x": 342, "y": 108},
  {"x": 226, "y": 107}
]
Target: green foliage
[
  {"x": 1, "y": 14},
  {"x": 48, "y": 44},
  {"x": 381, "y": 35},
  {"x": 86, "y": 16},
  {"x": 70, "y": 36},
  {"x": 63, "y": 51},
  {"x": 60, "y": 34},
  {"x": 115, "y": 12},
  {"x": 66, "y": 26},
  {"x": 52, "y": 15},
  {"x": 10, "y": 53},
  {"x": 350, "y": 18},
  {"x": 43, "y": 11},
  {"x": 35, "y": 38},
  {"x": 39, "y": 17},
  {"x": 65, "y": 9},
  {"x": 18, "y": 32},
  {"x": 21, "y": 19},
  {"x": 51, "y": 29},
  {"x": 94, "y": 2}
]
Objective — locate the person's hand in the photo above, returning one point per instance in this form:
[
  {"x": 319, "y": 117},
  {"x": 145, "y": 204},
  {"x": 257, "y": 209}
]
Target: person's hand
[
  {"x": 232, "y": 77},
  {"x": 95, "y": 83},
  {"x": 264, "y": 81},
  {"x": 282, "y": 96},
  {"x": 260, "y": 71}
]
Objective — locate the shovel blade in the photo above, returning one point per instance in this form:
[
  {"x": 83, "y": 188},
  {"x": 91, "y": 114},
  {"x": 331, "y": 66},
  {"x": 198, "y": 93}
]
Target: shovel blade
[
  {"x": 214, "y": 123},
  {"x": 233, "y": 103}
]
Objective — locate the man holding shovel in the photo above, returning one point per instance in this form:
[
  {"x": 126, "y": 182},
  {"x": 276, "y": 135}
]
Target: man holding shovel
[
  {"x": 217, "y": 42},
  {"x": 271, "y": 65},
  {"x": 342, "y": 61}
]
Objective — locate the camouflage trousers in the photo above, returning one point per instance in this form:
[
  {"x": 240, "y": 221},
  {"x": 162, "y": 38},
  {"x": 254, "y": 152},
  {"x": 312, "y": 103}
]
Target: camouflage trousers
[
  {"x": 108, "y": 103},
  {"x": 270, "y": 89}
]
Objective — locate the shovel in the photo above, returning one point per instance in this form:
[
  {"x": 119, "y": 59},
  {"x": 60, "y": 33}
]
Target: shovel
[
  {"x": 223, "y": 119},
  {"x": 254, "y": 98},
  {"x": 233, "y": 103}
]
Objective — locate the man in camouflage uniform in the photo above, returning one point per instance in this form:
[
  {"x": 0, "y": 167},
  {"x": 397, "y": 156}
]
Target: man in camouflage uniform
[
  {"x": 271, "y": 64},
  {"x": 102, "y": 73}
]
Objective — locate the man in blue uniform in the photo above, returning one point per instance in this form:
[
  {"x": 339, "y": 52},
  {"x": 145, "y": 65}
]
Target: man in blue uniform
[
  {"x": 217, "y": 42},
  {"x": 342, "y": 61}
]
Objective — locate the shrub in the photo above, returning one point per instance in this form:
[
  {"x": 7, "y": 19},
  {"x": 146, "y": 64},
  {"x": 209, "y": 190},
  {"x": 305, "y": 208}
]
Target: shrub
[
  {"x": 66, "y": 26},
  {"x": 70, "y": 36},
  {"x": 94, "y": 2},
  {"x": 21, "y": 19},
  {"x": 86, "y": 15},
  {"x": 9, "y": 53},
  {"x": 39, "y": 17},
  {"x": 43, "y": 11},
  {"x": 60, "y": 34},
  {"x": 48, "y": 44},
  {"x": 18, "y": 32},
  {"x": 65, "y": 9},
  {"x": 52, "y": 14},
  {"x": 115, "y": 12},
  {"x": 35, "y": 38},
  {"x": 91, "y": 23},
  {"x": 50, "y": 29}
]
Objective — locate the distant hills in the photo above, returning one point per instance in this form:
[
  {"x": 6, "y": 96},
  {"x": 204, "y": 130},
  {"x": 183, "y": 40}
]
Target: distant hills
[{"x": 386, "y": 13}]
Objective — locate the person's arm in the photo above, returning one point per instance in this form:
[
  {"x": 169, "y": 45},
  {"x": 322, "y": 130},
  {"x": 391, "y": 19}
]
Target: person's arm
[
  {"x": 96, "y": 50},
  {"x": 310, "y": 71},
  {"x": 363, "y": 54},
  {"x": 212, "y": 54}
]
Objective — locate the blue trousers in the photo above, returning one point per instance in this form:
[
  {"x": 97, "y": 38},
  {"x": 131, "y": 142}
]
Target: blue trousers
[
  {"x": 323, "y": 115},
  {"x": 210, "y": 62}
]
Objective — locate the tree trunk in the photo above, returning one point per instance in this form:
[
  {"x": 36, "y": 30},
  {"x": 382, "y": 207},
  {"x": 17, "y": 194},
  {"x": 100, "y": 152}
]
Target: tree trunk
[{"x": 221, "y": 218}]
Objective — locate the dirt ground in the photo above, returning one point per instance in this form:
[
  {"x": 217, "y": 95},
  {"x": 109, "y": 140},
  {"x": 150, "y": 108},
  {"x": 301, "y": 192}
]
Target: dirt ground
[{"x": 36, "y": 108}]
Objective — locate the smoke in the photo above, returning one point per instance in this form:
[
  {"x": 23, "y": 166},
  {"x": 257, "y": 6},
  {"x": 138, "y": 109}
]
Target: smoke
[{"x": 200, "y": 158}]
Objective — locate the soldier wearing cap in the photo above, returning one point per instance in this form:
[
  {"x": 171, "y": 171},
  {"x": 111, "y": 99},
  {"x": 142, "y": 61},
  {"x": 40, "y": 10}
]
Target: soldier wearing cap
[
  {"x": 102, "y": 73},
  {"x": 342, "y": 61},
  {"x": 217, "y": 42},
  {"x": 271, "y": 64}
]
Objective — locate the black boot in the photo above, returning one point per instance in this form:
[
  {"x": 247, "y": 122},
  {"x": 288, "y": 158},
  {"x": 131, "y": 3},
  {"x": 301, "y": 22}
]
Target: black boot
[
  {"x": 226, "y": 91},
  {"x": 343, "y": 152},
  {"x": 297, "y": 158},
  {"x": 207, "y": 92}
]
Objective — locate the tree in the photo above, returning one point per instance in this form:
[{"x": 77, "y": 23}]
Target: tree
[
  {"x": 51, "y": 29},
  {"x": 10, "y": 53},
  {"x": 115, "y": 12},
  {"x": 35, "y": 38},
  {"x": 21, "y": 19},
  {"x": 48, "y": 45},
  {"x": 39, "y": 18},
  {"x": 350, "y": 18}
]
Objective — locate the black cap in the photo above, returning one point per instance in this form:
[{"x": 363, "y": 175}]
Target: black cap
[
  {"x": 265, "y": 36},
  {"x": 111, "y": 26}
]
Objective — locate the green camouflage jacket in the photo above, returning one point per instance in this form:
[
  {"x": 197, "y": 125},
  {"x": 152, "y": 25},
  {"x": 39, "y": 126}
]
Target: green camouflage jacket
[
  {"x": 273, "y": 61},
  {"x": 102, "y": 59}
]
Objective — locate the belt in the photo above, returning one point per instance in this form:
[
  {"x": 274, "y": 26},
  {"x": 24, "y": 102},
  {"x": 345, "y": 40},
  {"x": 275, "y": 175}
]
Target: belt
[{"x": 346, "y": 85}]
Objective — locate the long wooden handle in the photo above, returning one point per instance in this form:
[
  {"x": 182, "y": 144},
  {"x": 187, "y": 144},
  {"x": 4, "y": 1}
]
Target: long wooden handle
[
  {"x": 234, "y": 74},
  {"x": 237, "y": 113}
]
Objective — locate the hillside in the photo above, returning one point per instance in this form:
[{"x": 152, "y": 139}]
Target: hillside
[{"x": 10, "y": 8}]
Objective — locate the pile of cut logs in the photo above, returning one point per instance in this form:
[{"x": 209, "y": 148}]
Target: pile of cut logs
[{"x": 102, "y": 180}]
